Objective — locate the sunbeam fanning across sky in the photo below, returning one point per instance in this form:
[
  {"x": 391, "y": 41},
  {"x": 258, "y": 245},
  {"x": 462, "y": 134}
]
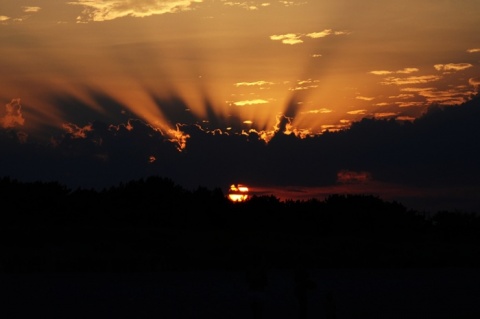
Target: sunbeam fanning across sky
[{"x": 279, "y": 93}]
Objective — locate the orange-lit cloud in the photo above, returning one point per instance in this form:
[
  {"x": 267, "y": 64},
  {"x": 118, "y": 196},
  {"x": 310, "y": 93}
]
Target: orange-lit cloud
[
  {"x": 473, "y": 50},
  {"x": 402, "y": 71},
  {"x": 113, "y": 9},
  {"x": 12, "y": 116},
  {"x": 357, "y": 112},
  {"x": 77, "y": 132},
  {"x": 452, "y": 66},
  {"x": 256, "y": 83},
  {"x": 250, "y": 102},
  {"x": 474, "y": 81},
  {"x": 411, "y": 80},
  {"x": 384, "y": 114},
  {"x": 365, "y": 98},
  {"x": 296, "y": 38},
  {"x": 318, "y": 111}
]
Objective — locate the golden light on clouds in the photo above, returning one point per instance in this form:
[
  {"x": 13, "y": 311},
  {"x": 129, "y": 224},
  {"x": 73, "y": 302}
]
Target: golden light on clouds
[
  {"x": 452, "y": 66},
  {"x": 222, "y": 64},
  {"x": 114, "y": 9}
]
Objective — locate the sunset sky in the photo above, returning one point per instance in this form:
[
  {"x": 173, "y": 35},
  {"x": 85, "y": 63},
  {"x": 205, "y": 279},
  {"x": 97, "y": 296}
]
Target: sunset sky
[{"x": 190, "y": 89}]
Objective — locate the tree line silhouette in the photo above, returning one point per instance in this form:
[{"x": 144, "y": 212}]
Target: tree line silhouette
[{"x": 154, "y": 224}]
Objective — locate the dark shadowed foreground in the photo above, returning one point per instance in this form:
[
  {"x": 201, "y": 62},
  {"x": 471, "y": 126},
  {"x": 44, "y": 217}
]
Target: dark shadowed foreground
[
  {"x": 150, "y": 249},
  {"x": 339, "y": 293}
]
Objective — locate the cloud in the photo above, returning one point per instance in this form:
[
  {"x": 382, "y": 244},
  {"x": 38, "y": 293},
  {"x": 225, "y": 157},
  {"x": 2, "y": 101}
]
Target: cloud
[
  {"x": 4, "y": 18},
  {"x": 357, "y": 112},
  {"x": 302, "y": 85},
  {"x": 385, "y": 114},
  {"x": 255, "y": 83},
  {"x": 296, "y": 38},
  {"x": 452, "y": 66},
  {"x": 402, "y": 71},
  {"x": 402, "y": 96},
  {"x": 76, "y": 131},
  {"x": 475, "y": 50},
  {"x": 13, "y": 115},
  {"x": 247, "y": 5},
  {"x": 318, "y": 111},
  {"x": 113, "y": 9},
  {"x": 288, "y": 38},
  {"x": 250, "y": 102},
  {"x": 364, "y": 98},
  {"x": 411, "y": 80},
  {"x": 31, "y": 9},
  {"x": 474, "y": 81},
  {"x": 321, "y": 34}
]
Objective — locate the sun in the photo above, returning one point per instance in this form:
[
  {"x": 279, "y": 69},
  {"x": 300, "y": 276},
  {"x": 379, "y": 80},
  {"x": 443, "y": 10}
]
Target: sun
[{"x": 238, "y": 193}]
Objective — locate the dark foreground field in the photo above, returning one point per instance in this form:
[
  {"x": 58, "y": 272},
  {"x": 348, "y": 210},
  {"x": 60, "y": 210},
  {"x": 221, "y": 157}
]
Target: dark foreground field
[
  {"x": 150, "y": 249},
  {"x": 342, "y": 294}
]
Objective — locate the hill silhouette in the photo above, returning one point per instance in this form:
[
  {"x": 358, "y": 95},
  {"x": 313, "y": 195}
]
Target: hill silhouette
[{"x": 153, "y": 224}]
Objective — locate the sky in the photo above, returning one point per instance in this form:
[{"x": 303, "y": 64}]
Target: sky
[{"x": 286, "y": 97}]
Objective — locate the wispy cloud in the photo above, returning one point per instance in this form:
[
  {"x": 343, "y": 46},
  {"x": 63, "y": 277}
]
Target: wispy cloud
[
  {"x": 250, "y": 102},
  {"x": 364, "y": 98},
  {"x": 411, "y": 80},
  {"x": 475, "y": 50},
  {"x": 255, "y": 83},
  {"x": 452, "y": 66},
  {"x": 357, "y": 112},
  {"x": 402, "y": 71},
  {"x": 113, "y": 9},
  {"x": 31, "y": 9},
  {"x": 318, "y": 111},
  {"x": 296, "y": 38}
]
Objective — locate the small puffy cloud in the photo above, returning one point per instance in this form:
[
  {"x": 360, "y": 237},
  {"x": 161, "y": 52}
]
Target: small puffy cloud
[
  {"x": 4, "y": 18},
  {"x": 113, "y": 9},
  {"x": 321, "y": 34},
  {"x": 288, "y": 38},
  {"x": 452, "y": 66},
  {"x": 316, "y": 55},
  {"x": 13, "y": 115}
]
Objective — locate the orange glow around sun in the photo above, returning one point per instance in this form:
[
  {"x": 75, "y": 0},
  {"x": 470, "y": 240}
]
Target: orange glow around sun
[{"x": 238, "y": 193}]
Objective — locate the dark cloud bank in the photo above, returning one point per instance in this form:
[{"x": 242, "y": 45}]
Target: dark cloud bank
[{"x": 439, "y": 150}]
